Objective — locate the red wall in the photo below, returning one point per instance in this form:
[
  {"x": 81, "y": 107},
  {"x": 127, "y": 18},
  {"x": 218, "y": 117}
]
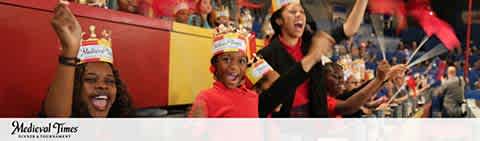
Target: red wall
[{"x": 30, "y": 49}]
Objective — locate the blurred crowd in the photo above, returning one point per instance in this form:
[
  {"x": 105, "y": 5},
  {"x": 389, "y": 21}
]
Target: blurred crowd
[
  {"x": 438, "y": 85},
  {"x": 201, "y": 13}
]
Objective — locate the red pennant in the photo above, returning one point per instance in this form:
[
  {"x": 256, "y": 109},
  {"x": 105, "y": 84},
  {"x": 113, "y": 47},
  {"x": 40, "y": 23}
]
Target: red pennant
[
  {"x": 446, "y": 34},
  {"x": 431, "y": 24},
  {"x": 412, "y": 84},
  {"x": 441, "y": 69}
]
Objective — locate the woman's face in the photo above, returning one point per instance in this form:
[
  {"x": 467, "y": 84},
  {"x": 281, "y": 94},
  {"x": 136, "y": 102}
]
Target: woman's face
[
  {"x": 99, "y": 89},
  {"x": 231, "y": 68},
  {"x": 334, "y": 81},
  {"x": 293, "y": 20},
  {"x": 205, "y": 6}
]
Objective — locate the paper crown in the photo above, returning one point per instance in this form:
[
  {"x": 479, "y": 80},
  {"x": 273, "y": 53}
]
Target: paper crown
[
  {"x": 181, "y": 5},
  {"x": 231, "y": 39},
  {"x": 277, "y": 4},
  {"x": 257, "y": 70},
  {"x": 96, "y": 49},
  {"x": 222, "y": 11}
]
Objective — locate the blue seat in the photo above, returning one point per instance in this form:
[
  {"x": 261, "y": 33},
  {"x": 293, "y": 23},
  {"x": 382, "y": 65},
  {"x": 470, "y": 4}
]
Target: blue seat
[{"x": 473, "y": 94}]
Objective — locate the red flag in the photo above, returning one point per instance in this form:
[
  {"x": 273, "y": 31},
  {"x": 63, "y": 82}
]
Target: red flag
[
  {"x": 391, "y": 7},
  {"x": 412, "y": 84},
  {"x": 441, "y": 69},
  {"x": 431, "y": 24},
  {"x": 401, "y": 17},
  {"x": 446, "y": 34}
]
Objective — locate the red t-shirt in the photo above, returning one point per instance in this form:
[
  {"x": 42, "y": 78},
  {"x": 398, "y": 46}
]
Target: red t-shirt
[
  {"x": 225, "y": 102},
  {"x": 301, "y": 94},
  {"x": 331, "y": 103}
]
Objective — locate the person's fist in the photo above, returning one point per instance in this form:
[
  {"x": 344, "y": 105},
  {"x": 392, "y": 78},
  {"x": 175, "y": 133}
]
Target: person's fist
[
  {"x": 322, "y": 46},
  {"x": 396, "y": 70},
  {"x": 67, "y": 29},
  {"x": 382, "y": 70}
]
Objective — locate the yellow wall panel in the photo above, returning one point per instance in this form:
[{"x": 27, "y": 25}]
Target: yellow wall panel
[{"x": 189, "y": 61}]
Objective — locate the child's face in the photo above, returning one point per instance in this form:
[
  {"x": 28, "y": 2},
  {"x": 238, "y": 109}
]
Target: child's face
[
  {"x": 182, "y": 16},
  {"x": 335, "y": 83},
  {"x": 231, "y": 68}
]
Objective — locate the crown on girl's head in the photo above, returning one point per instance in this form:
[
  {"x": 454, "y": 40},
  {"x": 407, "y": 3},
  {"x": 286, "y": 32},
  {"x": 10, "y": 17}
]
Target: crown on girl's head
[
  {"x": 180, "y": 5},
  {"x": 232, "y": 39},
  {"x": 222, "y": 11},
  {"x": 96, "y": 49},
  {"x": 277, "y": 4}
]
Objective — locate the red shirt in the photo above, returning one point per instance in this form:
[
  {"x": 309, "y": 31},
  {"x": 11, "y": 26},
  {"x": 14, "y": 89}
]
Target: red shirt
[
  {"x": 331, "y": 105},
  {"x": 301, "y": 94},
  {"x": 225, "y": 102}
]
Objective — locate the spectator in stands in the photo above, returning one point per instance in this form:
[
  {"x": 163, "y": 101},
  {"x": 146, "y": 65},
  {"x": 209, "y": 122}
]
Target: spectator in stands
[
  {"x": 182, "y": 12},
  {"x": 451, "y": 72},
  {"x": 130, "y": 6},
  {"x": 201, "y": 16},
  {"x": 398, "y": 81},
  {"x": 401, "y": 54},
  {"x": 229, "y": 96},
  {"x": 413, "y": 46},
  {"x": 352, "y": 83},
  {"x": 89, "y": 89},
  {"x": 474, "y": 74},
  {"x": 342, "y": 102},
  {"x": 453, "y": 102},
  {"x": 287, "y": 49},
  {"x": 222, "y": 16}
]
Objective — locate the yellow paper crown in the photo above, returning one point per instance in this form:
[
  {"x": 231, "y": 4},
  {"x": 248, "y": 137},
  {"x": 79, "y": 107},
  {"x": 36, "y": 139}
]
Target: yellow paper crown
[
  {"x": 96, "y": 49},
  {"x": 222, "y": 11},
  {"x": 231, "y": 39},
  {"x": 277, "y": 4},
  {"x": 180, "y": 5}
]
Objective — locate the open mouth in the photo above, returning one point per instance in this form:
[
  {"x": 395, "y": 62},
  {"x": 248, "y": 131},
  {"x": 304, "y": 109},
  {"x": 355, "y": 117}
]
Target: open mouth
[
  {"x": 232, "y": 76},
  {"x": 100, "y": 101},
  {"x": 299, "y": 25}
]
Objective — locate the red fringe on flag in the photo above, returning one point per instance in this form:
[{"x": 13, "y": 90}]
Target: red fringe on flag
[{"x": 431, "y": 24}]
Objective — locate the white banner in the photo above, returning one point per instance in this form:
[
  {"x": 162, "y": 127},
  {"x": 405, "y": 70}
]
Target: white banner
[{"x": 160, "y": 129}]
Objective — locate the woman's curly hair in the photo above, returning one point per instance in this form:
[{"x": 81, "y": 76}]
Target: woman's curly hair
[{"x": 121, "y": 107}]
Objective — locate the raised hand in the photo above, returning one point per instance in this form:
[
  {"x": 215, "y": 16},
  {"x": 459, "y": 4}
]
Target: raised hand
[
  {"x": 395, "y": 70},
  {"x": 67, "y": 29},
  {"x": 382, "y": 70}
]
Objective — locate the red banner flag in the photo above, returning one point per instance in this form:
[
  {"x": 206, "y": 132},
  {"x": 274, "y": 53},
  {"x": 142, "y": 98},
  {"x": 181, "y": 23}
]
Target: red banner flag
[
  {"x": 442, "y": 66},
  {"x": 431, "y": 24},
  {"x": 412, "y": 84}
]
